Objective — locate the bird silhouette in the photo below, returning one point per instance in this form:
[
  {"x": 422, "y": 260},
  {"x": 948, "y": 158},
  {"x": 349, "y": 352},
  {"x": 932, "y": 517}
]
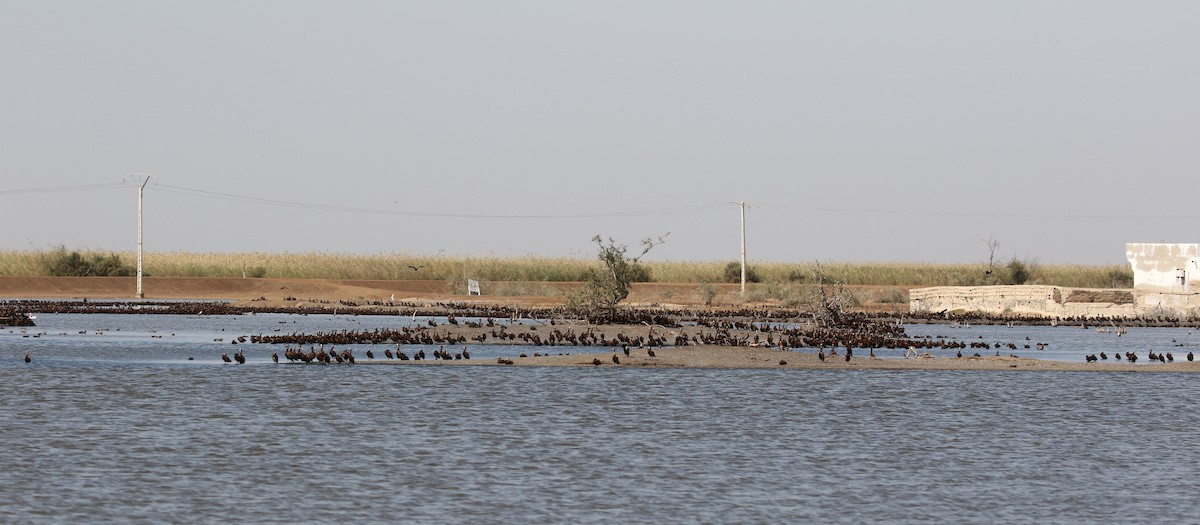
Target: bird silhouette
[
  {"x": 225, "y": 357},
  {"x": 27, "y": 358},
  {"x": 415, "y": 267}
]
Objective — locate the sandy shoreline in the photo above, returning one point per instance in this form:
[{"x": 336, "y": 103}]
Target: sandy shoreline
[{"x": 723, "y": 357}]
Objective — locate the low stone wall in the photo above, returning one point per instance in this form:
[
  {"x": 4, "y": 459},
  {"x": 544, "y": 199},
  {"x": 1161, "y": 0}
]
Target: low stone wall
[{"x": 1052, "y": 301}]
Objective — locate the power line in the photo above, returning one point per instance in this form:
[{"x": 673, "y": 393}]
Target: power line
[
  {"x": 65, "y": 189},
  {"x": 927, "y": 213},
  {"x": 702, "y": 208}
]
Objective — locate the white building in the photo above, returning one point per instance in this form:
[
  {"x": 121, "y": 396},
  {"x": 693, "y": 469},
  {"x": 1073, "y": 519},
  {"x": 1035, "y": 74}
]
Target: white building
[{"x": 1164, "y": 267}]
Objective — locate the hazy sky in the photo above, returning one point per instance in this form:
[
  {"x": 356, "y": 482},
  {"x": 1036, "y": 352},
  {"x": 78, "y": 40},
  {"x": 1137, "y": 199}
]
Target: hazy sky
[{"x": 863, "y": 131}]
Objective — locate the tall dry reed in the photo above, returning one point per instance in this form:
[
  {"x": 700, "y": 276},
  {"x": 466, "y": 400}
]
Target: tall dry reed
[{"x": 385, "y": 266}]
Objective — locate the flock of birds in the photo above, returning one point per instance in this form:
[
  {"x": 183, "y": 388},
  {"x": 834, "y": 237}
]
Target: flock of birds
[
  {"x": 1133, "y": 358},
  {"x": 313, "y": 355}
]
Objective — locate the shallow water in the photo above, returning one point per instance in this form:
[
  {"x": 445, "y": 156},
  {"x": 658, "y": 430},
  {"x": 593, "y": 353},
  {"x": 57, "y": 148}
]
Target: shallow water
[{"x": 120, "y": 427}]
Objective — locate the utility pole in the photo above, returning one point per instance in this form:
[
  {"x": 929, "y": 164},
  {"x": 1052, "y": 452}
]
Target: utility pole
[
  {"x": 743, "y": 205},
  {"x": 140, "y": 293}
]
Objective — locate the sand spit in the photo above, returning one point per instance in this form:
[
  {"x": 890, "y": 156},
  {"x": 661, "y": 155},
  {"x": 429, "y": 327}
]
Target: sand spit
[{"x": 721, "y": 357}]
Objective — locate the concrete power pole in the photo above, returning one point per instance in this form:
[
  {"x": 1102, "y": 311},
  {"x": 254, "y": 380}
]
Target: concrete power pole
[
  {"x": 743, "y": 205},
  {"x": 140, "y": 293}
]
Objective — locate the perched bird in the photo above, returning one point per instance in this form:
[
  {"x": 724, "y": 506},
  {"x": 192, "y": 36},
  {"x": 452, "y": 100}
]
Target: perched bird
[
  {"x": 782, "y": 362},
  {"x": 596, "y": 361},
  {"x": 650, "y": 352},
  {"x": 466, "y": 355},
  {"x": 1190, "y": 356},
  {"x": 625, "y": 348},
  {"x": 275, "y": 357},
  {"x": 225, "y": 357},
  {"x": 388, "y": 353},
  {"x": 370, "y": 354},
  {"x": 27, "y": 358},
  {"x": 821, "y": 355},
  {"x": 616, "y": 360}
]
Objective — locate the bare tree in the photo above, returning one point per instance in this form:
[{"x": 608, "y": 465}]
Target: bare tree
[
  {"x": 992, "y": 245},
  {"x": 828, "y": 297}
]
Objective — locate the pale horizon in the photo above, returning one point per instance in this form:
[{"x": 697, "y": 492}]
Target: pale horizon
[{"x": 873, "y": 132}]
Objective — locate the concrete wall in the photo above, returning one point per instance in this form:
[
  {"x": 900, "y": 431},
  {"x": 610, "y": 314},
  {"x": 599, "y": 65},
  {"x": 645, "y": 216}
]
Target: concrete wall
[
  {"x": 1157, "y": 266},
  {"x": 1053, "y": 301},
  {"x": 1030, "y": 300}
]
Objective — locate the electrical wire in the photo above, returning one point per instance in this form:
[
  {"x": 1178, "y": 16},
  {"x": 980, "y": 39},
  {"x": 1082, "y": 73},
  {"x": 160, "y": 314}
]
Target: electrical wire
[
  {"x": 702, "y": 208},
  {"x": 65, "y": 189},
  {"x": 932, "y": 213}
]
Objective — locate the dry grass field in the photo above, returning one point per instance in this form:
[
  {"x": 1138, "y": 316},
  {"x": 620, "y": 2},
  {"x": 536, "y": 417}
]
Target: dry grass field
[{"x": 293, "y": 277}]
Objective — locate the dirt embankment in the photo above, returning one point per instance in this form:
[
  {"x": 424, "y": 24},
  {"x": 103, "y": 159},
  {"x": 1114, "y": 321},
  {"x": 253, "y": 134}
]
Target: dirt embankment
[{"x": 298, "y": 292}]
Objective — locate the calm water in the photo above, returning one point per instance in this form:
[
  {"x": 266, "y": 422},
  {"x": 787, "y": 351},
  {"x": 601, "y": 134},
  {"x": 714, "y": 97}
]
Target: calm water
[{"x": 122, "y": 428}]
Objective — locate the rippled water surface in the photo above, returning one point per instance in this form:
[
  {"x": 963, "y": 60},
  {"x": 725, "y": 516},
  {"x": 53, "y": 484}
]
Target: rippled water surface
[{"x": 122, "y": 428}]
